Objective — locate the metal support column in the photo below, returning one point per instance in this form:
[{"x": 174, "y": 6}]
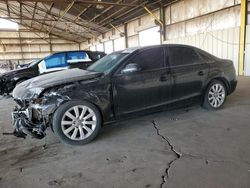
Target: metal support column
[
  {"x": 243, "y": 16},
  {"x": 163, "y": 28},
  {"x": 126, "y": 34}
]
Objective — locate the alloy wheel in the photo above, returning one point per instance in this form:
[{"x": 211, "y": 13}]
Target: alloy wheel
[
  {"x": 216, "y": 95},
  {"x": 78, "y": 122}
]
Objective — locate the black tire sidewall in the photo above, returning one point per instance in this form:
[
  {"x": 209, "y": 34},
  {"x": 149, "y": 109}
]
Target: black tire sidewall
[
  {"x": 206, "y": 103},
  {"x": 57, "y": 117}
]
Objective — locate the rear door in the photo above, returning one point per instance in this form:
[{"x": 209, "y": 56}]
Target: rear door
[
  {"x": 189, "y": 71},
  {"x": 149, "y": 87},
  {"x": 78, "y": 59}
]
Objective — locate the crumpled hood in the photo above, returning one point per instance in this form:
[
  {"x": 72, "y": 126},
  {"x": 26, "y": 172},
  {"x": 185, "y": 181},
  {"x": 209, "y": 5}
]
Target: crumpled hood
[
  {"x": 11, "y": 73},
  {"x": 33, "y": 87}
]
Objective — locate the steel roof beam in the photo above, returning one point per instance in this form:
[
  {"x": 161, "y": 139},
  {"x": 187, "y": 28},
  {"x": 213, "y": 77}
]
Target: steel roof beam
[
  {"x": 33, "y": 14},
  {"x": 8, "y": 8},
  {"x": 63, "y": 14},
  {"x": 39, "y": 23},
  {"x": 46, "y": 14},
  {"x": 105, "y": 3},
  {"x": 65, "y": 18}
]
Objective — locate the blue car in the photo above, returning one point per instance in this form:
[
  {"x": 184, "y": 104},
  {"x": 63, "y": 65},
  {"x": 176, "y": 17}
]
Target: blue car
[{"x": 54, "y": 62}]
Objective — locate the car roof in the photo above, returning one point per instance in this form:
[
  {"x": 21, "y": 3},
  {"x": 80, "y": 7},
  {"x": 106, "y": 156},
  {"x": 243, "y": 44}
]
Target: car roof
[
  {"x": 88, "y": 51},
  {"x": 133, "y": 49}
]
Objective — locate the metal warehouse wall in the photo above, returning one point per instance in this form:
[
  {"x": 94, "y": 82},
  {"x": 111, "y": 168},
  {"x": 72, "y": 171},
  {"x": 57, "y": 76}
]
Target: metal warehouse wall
[
  {"x": 24, "y": 45},
  {"x": 213, "y": 25}
]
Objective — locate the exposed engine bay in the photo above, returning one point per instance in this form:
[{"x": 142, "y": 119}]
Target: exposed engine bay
[{"x": 32, "y": 117}]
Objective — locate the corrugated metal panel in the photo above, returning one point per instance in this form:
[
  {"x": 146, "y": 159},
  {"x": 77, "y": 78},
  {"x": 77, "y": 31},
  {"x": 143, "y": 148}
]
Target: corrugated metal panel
[
  {"x": 247, "y": 52},
  {"x": 221, "y": 43},
  {"x": 187, "y": 9}
]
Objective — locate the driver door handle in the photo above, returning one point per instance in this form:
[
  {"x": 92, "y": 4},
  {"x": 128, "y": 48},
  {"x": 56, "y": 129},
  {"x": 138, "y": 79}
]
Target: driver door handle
[{"x": 200, "y": 73}]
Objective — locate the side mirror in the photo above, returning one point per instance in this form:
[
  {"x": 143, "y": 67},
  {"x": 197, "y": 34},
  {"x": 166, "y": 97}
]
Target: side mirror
[{"x": 130, "y": 68}]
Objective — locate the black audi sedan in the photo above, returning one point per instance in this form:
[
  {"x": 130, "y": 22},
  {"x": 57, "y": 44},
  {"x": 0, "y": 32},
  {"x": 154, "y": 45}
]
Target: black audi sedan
[
  {"x": 76, "y": 103},
  {"x": 54, "y": 62}
]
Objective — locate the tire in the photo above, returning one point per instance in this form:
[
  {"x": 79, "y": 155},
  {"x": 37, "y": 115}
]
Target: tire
[
  {"x": 76, "y": 122},
  {"x": 215, "y": 95}
]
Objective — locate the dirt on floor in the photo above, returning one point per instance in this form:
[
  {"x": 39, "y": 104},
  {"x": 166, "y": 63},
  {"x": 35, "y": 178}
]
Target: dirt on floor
[{"x": 190, "y": 147}]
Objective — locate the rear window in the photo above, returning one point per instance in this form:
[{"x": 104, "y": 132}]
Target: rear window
[
  {"x": 182, "y": 56},
  {"x": 206, "y": 56},
  {"x": 74, "y": 57}
]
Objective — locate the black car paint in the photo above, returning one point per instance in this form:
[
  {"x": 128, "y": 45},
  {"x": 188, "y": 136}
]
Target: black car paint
[
  {"x": 117, "y": 95},
  {"x": 9, "y": 79}
]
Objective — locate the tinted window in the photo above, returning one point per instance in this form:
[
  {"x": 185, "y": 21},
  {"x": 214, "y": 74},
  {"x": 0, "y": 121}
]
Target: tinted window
[
  {"x": 96, "y": 55},
  {"x": 74, "y": 57},
  {"x": 206, "y": 56},
  {"x": 149, "y": 59},
  {"x": 56, "y": 60},
  {"x": 182, "y": 56}
]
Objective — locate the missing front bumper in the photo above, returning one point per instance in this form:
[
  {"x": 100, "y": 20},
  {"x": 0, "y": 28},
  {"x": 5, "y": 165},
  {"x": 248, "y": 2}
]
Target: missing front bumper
[{"x": 23, "y": 126}]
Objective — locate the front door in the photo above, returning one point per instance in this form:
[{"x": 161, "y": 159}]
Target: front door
[{"x": 149, "y": 87}]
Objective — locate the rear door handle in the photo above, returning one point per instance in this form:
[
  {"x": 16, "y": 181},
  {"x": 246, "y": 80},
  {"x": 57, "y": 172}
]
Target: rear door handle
[
  {"x": 200, "y": 73},
  {"x": 163, "y": 78}
]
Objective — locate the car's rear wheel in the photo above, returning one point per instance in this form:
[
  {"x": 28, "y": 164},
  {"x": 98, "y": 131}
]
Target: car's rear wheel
[
  {"x": 77, "y": 122},
  {"x": 215, "y": 95}
]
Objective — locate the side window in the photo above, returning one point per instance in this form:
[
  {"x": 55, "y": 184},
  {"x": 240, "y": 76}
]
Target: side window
[
  {"x": 149, "y": 59},
  {"x": 75, "y": 57},
  {"x": 205, "y": 56},
  {"x": 56, "y": 60},
  {"x": 182, "y": 56}
]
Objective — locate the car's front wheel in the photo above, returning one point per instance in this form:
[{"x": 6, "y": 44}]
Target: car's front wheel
[
  {"x": 77, "y": 122},
  {"x": 215, "y": 95}
]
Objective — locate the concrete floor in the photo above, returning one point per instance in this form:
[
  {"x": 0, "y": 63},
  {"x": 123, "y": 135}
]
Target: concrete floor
[{"x": 191, "y": 147}]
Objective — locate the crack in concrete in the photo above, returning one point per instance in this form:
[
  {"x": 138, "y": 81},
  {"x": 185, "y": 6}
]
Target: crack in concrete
[
  {"x": 191, "y": 156},
  {"x": 177, "y": 154},
  {"x": 180, "y": 154}
]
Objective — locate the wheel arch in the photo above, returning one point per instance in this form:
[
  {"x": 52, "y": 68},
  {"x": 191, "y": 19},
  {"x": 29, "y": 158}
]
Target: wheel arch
[
  {"x": 220, "y": 78},
  {"x": 97, "y": 107},
  {"x": 86, "y": 100}
]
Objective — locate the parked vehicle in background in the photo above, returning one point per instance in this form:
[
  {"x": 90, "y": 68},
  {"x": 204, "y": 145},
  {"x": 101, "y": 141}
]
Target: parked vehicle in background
[
  {"x": 2, "y": 71},
  {"x": 55, "y": 62},
  {"x": 76, "y": 103},
  {"x": 25, "y": 65}
]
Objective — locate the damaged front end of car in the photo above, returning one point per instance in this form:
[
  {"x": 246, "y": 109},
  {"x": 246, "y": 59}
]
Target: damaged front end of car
[{"x": 33, "y": 115}]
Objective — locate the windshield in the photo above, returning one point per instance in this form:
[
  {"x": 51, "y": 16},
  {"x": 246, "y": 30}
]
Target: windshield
[{"x": 107, "y": 63}]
